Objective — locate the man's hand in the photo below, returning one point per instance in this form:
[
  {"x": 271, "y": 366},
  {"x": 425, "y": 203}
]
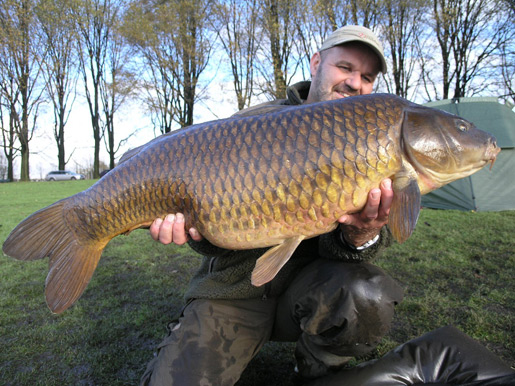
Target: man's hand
[
  {"x": 358, "y": 228},
  {"x": 171, "y": 230}
]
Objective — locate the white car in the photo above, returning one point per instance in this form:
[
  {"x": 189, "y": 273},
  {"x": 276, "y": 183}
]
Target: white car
[{"x": 61, "y": 175}]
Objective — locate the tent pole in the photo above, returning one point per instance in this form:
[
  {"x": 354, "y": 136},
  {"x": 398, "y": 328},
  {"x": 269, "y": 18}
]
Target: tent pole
[{"x": 472, "y": 193}]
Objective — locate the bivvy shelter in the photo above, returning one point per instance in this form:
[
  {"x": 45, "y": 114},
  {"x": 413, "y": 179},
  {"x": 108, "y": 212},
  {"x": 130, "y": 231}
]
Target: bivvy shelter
[{"x": 486, "y": 190}]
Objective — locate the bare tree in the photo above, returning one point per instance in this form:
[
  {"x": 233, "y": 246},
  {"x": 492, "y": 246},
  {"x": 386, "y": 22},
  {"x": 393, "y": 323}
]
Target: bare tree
[
  {"x": 481, "y": 31},
  {"x": 364, "y": 12},
  {"x": 7, "y": 116},
  {"x": 444, "y": 12},
  {"x": 154, "y": 77},
  {"x": 175, "y": 42},
  {"x": 59, "y": 65},
  {"x": 402, "y": 28},
  {"x": 3, "y": 168},
  {"x": 118, "y": 85},
  {"x": 470, "y": 34},
  {"x": 278, "y": 23},
  {"x": 94, "y": 20},
  {"x": 333, "y": 13},
  {"x": 507, "y": 64},
  {"x": 240, "y": 37},
  {"x": 19, "y": 66},
  {"x": 194, "y": 48},
  {"x": 508, "y": 72},
  {"x": 315, "y": 21}
]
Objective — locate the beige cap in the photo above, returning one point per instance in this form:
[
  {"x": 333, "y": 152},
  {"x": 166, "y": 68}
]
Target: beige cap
[{"x": 356, "y": 33}]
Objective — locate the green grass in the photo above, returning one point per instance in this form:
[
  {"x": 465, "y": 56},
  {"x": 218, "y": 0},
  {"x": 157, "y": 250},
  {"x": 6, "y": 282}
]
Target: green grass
[{"x": 457, "y": 268}]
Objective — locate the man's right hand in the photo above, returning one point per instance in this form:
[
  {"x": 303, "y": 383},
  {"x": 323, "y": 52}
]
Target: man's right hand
[{"x": 171, "y": 230}]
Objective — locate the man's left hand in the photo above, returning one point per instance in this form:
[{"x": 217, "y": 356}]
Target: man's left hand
[{"x": 359, "y": 228}]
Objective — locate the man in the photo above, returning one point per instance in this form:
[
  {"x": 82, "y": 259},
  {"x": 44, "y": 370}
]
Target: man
[{"x": 327, "y": 298}]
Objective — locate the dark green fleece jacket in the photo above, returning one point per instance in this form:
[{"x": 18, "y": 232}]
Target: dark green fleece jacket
[{"x": 226, "y": 274}]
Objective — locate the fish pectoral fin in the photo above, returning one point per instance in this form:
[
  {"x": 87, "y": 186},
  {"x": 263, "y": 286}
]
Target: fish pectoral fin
[
  {"x": 405, "y": 208},
  {"x": 269, "y": 264}
]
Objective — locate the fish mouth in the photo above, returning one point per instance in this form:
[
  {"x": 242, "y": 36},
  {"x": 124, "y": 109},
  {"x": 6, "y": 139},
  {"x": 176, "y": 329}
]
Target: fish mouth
[
  {"x": 434, "y": 179},
  {"x": 489, "y": 157},
  {"x": 491, "y": 153}
]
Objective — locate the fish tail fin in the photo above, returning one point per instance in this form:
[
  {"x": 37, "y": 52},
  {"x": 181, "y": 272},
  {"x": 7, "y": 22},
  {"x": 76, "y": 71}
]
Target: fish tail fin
[
  {"x": 72, "y": 261},
  {"x": 71, "y": 269},
  {"x": 33, "y": 238}
]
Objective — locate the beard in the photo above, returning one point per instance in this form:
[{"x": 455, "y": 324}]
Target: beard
[{"x": 321, "y": 92}]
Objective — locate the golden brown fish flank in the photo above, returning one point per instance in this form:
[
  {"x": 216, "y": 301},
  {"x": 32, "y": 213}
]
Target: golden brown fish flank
[
  {"x": 259, "y": 181},
  {"x": 236, "y": 175}
]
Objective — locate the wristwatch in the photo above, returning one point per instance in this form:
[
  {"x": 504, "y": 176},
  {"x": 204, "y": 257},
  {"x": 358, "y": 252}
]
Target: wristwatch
[{"x": 368, "y": 244}]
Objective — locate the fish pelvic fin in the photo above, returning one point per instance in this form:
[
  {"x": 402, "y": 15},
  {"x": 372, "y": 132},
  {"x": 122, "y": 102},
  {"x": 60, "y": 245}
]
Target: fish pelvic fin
[
  {"x": 271, "y": 262},
  {"x": 72, "y": 261},
  {"x": 405, "y": 208}
]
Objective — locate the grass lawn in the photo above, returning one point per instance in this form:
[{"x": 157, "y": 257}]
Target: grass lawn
[{"x": 457, "y": 268}]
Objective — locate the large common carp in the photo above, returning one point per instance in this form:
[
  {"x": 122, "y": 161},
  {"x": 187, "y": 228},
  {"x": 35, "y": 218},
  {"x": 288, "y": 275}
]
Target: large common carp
[{"x": 248, "y": 182}]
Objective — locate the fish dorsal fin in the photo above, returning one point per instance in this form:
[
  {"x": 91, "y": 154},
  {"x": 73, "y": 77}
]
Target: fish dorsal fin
[
  {"x": 405, "y": 207},
  {"x": 135, "y": 151},
  {"x": 130, "y": 153},
  {"x": 269, "y": 264}
]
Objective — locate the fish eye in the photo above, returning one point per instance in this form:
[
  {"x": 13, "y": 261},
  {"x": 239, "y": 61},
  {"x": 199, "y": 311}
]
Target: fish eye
[{"x": 462, "y": 126}]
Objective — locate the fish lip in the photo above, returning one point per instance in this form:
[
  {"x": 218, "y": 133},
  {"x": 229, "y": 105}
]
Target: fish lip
[{"x": 491, "y": 153}]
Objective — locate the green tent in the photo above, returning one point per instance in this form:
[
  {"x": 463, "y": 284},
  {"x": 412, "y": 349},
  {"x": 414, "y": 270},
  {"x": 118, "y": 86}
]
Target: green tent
[{"x": 486, "y": 190}]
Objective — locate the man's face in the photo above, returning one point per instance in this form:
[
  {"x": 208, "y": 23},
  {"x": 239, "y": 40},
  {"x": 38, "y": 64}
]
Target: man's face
[{"x": 343, "y": 71}]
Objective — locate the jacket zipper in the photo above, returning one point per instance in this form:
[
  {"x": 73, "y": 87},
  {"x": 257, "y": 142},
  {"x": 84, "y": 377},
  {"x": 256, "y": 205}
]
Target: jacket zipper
[{"x": 211, "y": 264}]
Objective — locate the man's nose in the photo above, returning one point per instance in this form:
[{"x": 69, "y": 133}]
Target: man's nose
[{"x": 354, "y": 81}]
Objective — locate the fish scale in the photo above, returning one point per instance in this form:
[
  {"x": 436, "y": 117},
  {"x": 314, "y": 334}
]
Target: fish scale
[
  {"x": 316, "y": 139},
  {"x": 258, "y": 181},
  {"x": 276, "y": 154}
]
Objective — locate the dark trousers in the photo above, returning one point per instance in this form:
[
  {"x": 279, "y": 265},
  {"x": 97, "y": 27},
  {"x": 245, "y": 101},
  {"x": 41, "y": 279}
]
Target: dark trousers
[{"x": 333, "y": 310}]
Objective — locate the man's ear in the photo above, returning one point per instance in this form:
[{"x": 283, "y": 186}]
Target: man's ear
[{"x": 315, "y": 61}]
